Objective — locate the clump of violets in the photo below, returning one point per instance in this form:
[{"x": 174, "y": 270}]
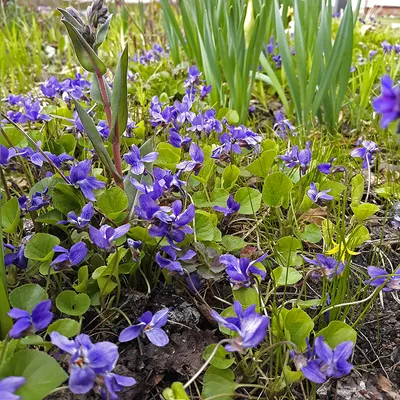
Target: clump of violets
[
  {"x": 91, "y": 365},
  {"x": 9, "y": 385},
  {"x": 250, "y": 326},
  {"x": 106, "y": 236},
  {"x": 241, "y": 271},
  {"x": 231, "y": 207},
  {"x": 366, "y": 152},
  {"x": 79, "y": 177},
  {"x": 318, "y": 197},
  {"x": 301, "y": 158},
  {"x": 322, "y": 363},
  {"x": 27, "y": 323},
  {"x": 379, "y": 277},
  {"x": 388, "y": 103},
  {"x": 325, "y": 266},
  {"x": 149, "y": 325}
]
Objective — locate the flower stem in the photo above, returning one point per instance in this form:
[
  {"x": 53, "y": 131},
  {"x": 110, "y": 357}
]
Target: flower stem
[{"x": 204, "y": 366}]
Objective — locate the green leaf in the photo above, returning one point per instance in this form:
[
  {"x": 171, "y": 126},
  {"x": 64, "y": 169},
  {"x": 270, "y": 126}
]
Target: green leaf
[
  {"x": 231, "y": 115},
  {"x": 219, "y": 197},
  {"x": 357, "y": 189},
  {"x": 310, "y": 233},
  {"x": 68, "y": 142},
  {"x": 222, "y": 359},
  {"x": 276, "y": 190},
  {"x": 219, "y": 382},
  {"x": 66, "y": 327},
  {"x": 298, "y": 326},
  {"x": 167, "y": 156},
  {"x": 83, "y": 279},
  {"x": 50, "y": 217},
  {"x": 261, "y": 166},
  {"x": 119, "y": 98},
  {"x": 86, "y": 56},
  {"x": 27, "y": 296},
  {"x": 286, "y": 249},
  {"x": 336, "y": 188},
  {"x": 247, "y": 297},
  {"x": 175, "y": 392},
  {"x": 112, "y": 202},
  {"x": 283, "y": 276},
  {"x": 40, "y": 247},
  {"x": 204, "y": 226},
  {"x": 95, "y": 92},
  {"x": 364, "y": 211},
  {"x": 95, "y": 138},
  {"x": 233, "y": 243},
  {"x": 71, "y": 303},
  {"x": 10, "y": 215},
  {"x": 249, "y": 199},
  {"x": 338, "y": 332},
  {"x": 229, "y": 176},
  {"x": 66, "y": 198},
  {"x": 43, "y": 374},
  {"x": 102, "y": 33}
]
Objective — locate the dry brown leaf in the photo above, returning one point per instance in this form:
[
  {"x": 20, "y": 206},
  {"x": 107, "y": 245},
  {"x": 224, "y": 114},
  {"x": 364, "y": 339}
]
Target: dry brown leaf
[
  {"x": 386, "y": 386},
  {"x": 316, "y": 215}
]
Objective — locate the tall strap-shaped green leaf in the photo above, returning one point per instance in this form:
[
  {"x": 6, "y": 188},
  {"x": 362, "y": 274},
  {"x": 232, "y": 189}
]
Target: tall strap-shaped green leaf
[
  {"x": 86, "y": 55},
  {"x": 119, "y": 98},
  {"x": 287, "y": 61},
  {"x": 102, "y": 33},
  {"x": 334, "y": 61},
  {"x": 95, "y": 139}
]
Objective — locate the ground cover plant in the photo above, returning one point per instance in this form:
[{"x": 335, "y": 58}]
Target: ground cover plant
[{"x": 199, "y": 201}]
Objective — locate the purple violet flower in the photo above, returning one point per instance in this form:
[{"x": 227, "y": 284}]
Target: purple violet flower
[
  {"x": 372, "y": 54},
  {"x": 316, "y": 196},
  {"x": 36, "y": 202},
  {"x": 366, "y": 152},
  {"x": 295, "y": 157},
  {"x": 323, "y": 362},
  {"x": 387, "y": 47},
  {"x": 283, "y": 126},
  {"x": 17, "y": 257},
  {"x": 178, "y": 141},
  {"x": 51, "y": 87},
  {"x": 379, "y": 277},
  {"x": 205, "y": 91},
  {"x": 106, "y": 235},
  {"x": 103, "y": 129},
  {"x": 6, "y": 154},
  {"x": 9, "y": 385},
  {"x": 149, "y": 325},
  {"x": 231, "y": 208},
  {"x": 69, "y": 258},
  {"x": 28, "y": 323},
  {"x": 83, "y": 219},
  {"x": 326, "y": 266},
  {"x": 193, "y": 76},
  {"x": 241, "y": 271},
  {"x": 33, "y": 112},
  {"x": 173, "y": 264},
  {"x": 79, "y": 177},
  {"x": 155, "y": 191},
  {"x": 197, "y": 155},
  {"x": 91, "y": 365},
  {"x": 250, "y": 326},
  {"x": 136, "y": 161},
  {"x": 388, "y": 103}
]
